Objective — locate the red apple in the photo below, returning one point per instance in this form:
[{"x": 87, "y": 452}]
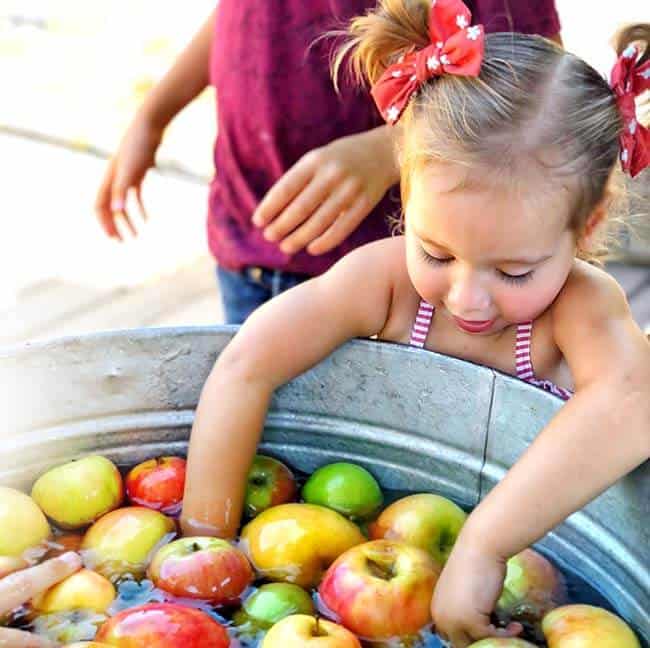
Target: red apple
[
  {"x": 303, "y": 631},
  {"x": 158, "y": 484},
  {"x": 532, "y": 587},
  {"x": 269, "y": 483},
  {"x": 587, "y": 626},
  {"x": 163, "y": 625},
  {"x": 380, "y": 589},
  {"x": 202, "y": 568}
]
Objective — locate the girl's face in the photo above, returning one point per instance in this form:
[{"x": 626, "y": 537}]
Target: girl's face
[{"x": 487, "y": 257}]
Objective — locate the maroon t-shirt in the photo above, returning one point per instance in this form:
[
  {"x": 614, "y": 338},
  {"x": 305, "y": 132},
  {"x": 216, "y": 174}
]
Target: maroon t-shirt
[{"x": 276, "y": 101}]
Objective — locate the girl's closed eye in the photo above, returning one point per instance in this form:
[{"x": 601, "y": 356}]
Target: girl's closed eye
[
  {"x": 434, "y": 260},
  {"x": 516, "y": 279}
]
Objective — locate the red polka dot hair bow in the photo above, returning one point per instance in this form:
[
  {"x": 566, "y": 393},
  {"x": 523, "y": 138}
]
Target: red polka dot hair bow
[
  {"x": 456, "y": 48},
  {"x": 628, "y": 81}
]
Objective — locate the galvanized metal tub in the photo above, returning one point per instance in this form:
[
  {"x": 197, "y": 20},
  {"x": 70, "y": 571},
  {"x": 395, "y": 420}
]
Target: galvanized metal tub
[{"x": 418, "y": 420}]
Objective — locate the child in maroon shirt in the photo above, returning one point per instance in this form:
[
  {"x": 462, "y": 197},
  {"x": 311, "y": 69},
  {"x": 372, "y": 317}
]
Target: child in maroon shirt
[{"x": 281, "y": 121}]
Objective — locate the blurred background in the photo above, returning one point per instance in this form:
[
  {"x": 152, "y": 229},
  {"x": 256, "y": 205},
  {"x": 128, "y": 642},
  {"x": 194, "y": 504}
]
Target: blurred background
[{"x": 73, "y": 74}]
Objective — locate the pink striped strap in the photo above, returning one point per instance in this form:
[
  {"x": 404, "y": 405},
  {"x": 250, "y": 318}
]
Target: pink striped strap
[
  {"x": 523, "y": 363},
  {"x": 422, "y": 324}
]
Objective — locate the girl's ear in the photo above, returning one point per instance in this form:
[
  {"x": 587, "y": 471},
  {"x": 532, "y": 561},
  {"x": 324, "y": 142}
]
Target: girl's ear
[{"x": 596, "y": 218}]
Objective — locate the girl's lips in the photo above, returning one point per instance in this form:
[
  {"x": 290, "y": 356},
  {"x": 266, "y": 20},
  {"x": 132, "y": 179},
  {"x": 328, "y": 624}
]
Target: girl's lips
[{"x": 473, "y": 327}]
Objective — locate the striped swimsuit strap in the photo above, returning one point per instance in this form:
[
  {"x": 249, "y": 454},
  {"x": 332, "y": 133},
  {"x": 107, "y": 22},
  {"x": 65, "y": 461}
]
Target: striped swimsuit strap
[{"x": 523, "y": 361}]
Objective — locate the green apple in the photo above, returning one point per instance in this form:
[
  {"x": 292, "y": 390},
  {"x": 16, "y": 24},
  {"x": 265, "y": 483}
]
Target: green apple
[
  {"x": 79, "y": 492},
  {"x": 268, "y": 484},
  {"x": 586, "y": 626},
  {"x": 122, "y": 542},
  {"x": 347, "y": 488},
  {"x": 84, "y": 589},
  {"x": 22, "y": 523},
  {"x": 303, "y": 631},
  {"x": 428, "y": 521},
  {"x": 297, "y": 542},
  {"x": 272, "y": 602}
]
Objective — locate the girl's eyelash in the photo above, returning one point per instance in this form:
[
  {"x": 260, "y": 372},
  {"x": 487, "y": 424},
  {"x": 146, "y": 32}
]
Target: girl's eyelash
[
  {"x": 516, "y": 279},
  {"x": 433, "y": 260}
]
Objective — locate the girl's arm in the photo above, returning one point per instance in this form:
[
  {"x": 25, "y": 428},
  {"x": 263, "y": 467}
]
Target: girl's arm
[
  {"x": 188, "y": 76},
  {"x": 601, "y": 434},
  {"x": 281, "y": 340}
]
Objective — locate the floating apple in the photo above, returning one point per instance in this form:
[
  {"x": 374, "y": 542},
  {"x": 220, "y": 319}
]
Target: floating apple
[
  {"x": 22, "y": 523},
  {"x": 202, "y": 568},
  {"x": 380, "y": 589},
  {"x": 269, "y": 483},
  {"x": 347, "y": 488},
  {"x": 84, "y": 589},
  {"x": 502, "y": 642},
  {"x": 428, "y": 521},
  {"x": 302, "y": 631},
  {"x": 532, "y": 587},
  {"x": 68, "y": 627},
  {"x": 586, "y": 626},
  {"x": 122, "y": 541},
  {"x": 158, "y": 484},
  {"x": 163, "y": 625},
  {"x": 296, "y": 542},
  {"x": 79, "y": 492},
  {"x": 273, "y": 602}
]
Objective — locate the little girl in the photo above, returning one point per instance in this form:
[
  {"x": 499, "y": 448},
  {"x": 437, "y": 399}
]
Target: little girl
[{"x": 508, "y": 147}]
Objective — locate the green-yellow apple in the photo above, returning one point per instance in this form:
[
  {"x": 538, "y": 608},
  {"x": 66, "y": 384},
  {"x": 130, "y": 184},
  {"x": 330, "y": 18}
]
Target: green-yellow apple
[
  {"x": 157, "y": 484},
  {"x": 502, "y": 642},
  {"x": 272, "y": 602},
  {"x": 428, "y": 521},
  {"x": 269, "y": 483},
  {"x": 380, "y": 589},
  {"x": 202, "y": 568},
  {"x": 121, "y": 542},
  {"x": 163, "y": 625},
  {"x": 586, "y": 626},
  {"x": 532, "y": 587},
  {"x": 347, "y": 488},
  {"x": 84, "y": 589},
  {"x": 22, "y": 523},
  {"x": 303, "y": 631},
  {"x": 297, "y": 542},
  {"x": 77, "y": 493}
]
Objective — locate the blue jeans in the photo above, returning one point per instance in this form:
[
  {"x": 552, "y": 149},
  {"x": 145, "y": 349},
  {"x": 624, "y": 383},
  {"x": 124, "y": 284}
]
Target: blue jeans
[{"x": 244, "y": 290}]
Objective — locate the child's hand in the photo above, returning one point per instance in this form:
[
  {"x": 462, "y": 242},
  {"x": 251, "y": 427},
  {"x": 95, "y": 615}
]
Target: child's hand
[
  {"x": 466, "y": 594},
  {"x": 21, "y": 586},
  {"x": 126, "y": 170},
  {"x": 324, "y": 197}
]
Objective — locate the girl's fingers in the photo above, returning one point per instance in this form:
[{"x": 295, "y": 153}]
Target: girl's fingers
[
  {"x": 138, "y": 197},
  {"x": 10, "y": 638},
  {"x": 341, "y": 228},
  {"x": 103, "y": 209},
  {"x": 21, "y": 586},
  {"x": 283, "y": 192},
  {"x": 301, "y": 207},
  {"x": 324, "y": 216}
]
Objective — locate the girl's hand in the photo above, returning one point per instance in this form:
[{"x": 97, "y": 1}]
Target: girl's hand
[
  {"x": 10, "y": 638},
  {"x": 324, "y": 197},
  {"x": 466, "y": 594},
  {"x": 21, "y": 586},
  {"x": 126, "y": 170}
]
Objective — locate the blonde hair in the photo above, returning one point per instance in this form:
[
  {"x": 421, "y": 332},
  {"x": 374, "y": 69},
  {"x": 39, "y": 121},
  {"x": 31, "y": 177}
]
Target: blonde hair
[{"x": 532, "y": 103}]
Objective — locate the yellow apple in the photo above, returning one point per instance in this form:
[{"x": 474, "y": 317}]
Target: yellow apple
[
  {"x": 297, "y": 542},
  {"x": 586, "y": 626},
  {"x": 22, "y": 523},
  {"x": 303, "y": 631},
  {"x": 84, "y": 589},
  {"x": 122, "y": 542}
]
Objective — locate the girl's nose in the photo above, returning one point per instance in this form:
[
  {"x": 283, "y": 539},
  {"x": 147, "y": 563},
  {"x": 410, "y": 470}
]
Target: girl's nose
[{"x": 467, "y": 296}]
